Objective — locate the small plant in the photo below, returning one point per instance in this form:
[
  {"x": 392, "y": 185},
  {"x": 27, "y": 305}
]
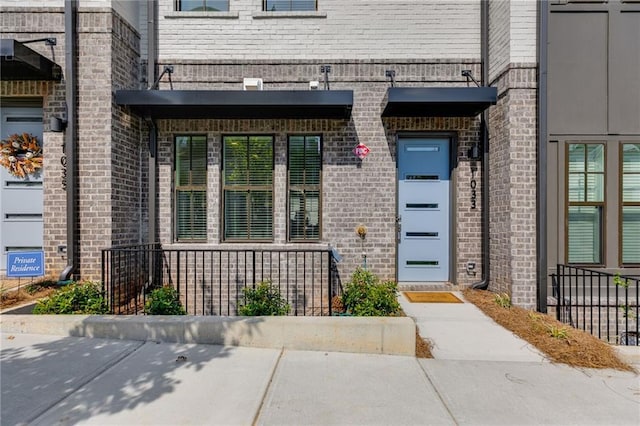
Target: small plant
[
  {"x": 365, "y": 295},
  {"x": 264, "y": 300},
  {"x": 503, "y": 300},
  {"x": 76, "y": 298},
  {"x": 620, "y": 282},
  {"x": 558, "y": 332},
  {"x": 164, "y": 301}
]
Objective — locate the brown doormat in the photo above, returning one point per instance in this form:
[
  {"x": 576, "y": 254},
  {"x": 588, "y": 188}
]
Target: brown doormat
[{"x": 431, "y": 297}]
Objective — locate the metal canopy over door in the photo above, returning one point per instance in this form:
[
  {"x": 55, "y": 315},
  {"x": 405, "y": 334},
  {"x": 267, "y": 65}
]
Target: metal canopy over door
[
  {"x": 424, "y": 172},
  {"x": 21, "y": 226}
]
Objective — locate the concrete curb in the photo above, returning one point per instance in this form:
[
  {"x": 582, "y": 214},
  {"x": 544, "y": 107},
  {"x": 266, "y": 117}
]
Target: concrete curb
[{"x": 375, "y": 335}]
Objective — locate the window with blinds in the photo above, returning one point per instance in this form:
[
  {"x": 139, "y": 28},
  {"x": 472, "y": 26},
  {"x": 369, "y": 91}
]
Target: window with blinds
[
  {"x": 585, "y": 196},
  {"x": 248, "y": 188},
  {"x": 304, "y": 181},
  {"x": 630, "y": 214},
  {"x": 191, "y": 188}
]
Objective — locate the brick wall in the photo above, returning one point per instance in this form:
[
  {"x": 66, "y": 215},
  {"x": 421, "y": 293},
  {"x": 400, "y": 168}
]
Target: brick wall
[
  {"x": 339, "y": 30},
  {"x": 513, "y": 185},
  {"x": 354, "y": 192}
]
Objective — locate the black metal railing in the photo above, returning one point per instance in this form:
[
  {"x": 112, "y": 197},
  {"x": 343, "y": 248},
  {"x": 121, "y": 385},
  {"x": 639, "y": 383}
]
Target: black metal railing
[
  {"x": 601, "y": 303},
  {"x": 211, "y": 281}
]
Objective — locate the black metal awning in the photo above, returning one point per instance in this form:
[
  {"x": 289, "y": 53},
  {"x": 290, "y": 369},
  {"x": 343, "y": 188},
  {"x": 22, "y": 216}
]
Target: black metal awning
[
  {"x": 18, "y": 62},
  {"x": 238, "y": 104},
  {"x": 438, "y": 101}
]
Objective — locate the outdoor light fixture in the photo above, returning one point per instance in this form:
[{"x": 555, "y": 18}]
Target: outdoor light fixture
[
  {"x": 474, "y": 152},
  {"x": 168, "y": 69},
  {"x": 252, "y": 84},
  {"x": 57, "y": 124},
  {"x": 326, "y": 69},
  {"x": 469, "y": 76},
  {"x": 391, "y": 74}
]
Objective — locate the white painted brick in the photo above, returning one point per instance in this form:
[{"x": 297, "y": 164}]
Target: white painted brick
[{"x": 375, "y": 29}]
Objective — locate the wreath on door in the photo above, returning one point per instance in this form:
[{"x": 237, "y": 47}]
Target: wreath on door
[{"x": 21, "y": 155}]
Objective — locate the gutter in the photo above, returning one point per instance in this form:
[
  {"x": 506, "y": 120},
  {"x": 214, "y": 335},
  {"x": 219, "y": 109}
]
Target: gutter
[
  {"x": 541, "y": 178},
  {"x": 71, "y": 38},
  {"x": 484, "y": 126},
  {"x": 153, "y": 133}
]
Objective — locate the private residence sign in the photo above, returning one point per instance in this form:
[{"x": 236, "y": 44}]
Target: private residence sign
[{"x": 25, "y": 264}]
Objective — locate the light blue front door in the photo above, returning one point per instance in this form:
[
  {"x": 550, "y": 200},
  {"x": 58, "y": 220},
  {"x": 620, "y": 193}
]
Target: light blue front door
[{"x": 424, "y": 171}]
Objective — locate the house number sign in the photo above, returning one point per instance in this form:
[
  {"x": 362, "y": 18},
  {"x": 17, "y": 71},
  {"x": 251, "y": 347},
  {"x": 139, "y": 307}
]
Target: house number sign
[{"x": 473, "y": 184}]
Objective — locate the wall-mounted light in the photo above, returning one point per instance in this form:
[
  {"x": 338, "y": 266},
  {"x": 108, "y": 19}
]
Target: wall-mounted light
[
  {"x": 252, "y": 84},
  {"x": 391, "y": 75},
  {"x": 57, "y": 124},
  {"x": 474, "y": 152}
]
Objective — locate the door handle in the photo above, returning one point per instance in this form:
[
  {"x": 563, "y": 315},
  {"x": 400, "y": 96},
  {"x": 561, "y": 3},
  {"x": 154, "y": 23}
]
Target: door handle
[{"x": 399, "y": 229}]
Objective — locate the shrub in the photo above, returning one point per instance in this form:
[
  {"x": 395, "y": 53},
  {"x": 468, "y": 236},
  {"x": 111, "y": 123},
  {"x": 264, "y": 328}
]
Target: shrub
[
  {"x": 76, "y": 298},
  {"x": 164, "y": 301},
  {"x": 264, "y": 299},
  {"x": 365, "y": 295}
]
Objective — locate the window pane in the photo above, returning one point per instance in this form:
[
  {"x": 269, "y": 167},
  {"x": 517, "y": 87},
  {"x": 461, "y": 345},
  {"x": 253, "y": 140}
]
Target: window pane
[
  {"x": 585, "y": 230},
  {"x": 261, "y": 215},
  {"x": 631, "y": 157},
  {"x": 631, "y": 234},
  {"x": 191, "y": 215},
  {"x": 296, "y": 160},
  {"x": 595, "y": 187},
  {"x": 203, "y": 5},
  {"x": 198, "y": 160},
  {"x": 631, "y": 188},
  {"x": 576, "y": 158},
  {"x": 183, "y": 165},
  {"x": 313, "y": 160},
  {"x": 235, "y": 160},
  {"x": 236, "y": 214},
  {"x": 576, "y": 187},
  {"x": 289, "y": 5},
  {"x": 261, "y": 160},
  {"x": 595, "y": 158}
]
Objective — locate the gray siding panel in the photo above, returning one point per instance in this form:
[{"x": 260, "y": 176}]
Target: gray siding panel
[
  {"x": 578, "y": 73},
  {"x": 624, "y": 100}
]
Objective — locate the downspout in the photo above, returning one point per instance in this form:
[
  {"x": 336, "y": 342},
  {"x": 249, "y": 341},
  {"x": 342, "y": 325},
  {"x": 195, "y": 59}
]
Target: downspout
[
  {"x": 153, "y": 145},
  {"x": 541, "y": 189},
  {"x": 71, "y": 39},
  {"x": 484, "y": 129}
]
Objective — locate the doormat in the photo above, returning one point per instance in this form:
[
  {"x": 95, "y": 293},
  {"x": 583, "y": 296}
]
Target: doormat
[{"x": 431, "y": 297}]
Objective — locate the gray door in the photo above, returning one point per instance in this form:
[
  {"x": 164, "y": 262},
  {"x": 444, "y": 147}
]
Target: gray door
[
  {"x": 423, "y": 209},
  {"x": 21, "y": 225}
]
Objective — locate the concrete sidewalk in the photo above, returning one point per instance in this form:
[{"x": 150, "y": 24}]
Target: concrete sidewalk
[{"x": 50, "y": 380}]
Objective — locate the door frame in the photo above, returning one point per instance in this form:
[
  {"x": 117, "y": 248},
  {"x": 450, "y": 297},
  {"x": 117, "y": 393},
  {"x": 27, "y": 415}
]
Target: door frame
[{"x": 453, "y": 217}]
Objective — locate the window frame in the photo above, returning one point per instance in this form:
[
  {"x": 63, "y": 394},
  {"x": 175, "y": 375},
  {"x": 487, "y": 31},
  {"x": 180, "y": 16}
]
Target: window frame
[
  {"x": 223, "y": 194},
  {"x": 178, "y": 6},
  {"x": 304, "y": 187},
  {"x": 601, "y": 204},
  {"x": 190, "y": 188},
  {"x": 290, "y": 9},
  {"x": 622, "y": 203}
]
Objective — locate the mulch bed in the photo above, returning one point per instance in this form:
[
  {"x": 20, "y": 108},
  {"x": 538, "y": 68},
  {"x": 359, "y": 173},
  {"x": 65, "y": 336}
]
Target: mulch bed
[{"x": 558, "y": 341}]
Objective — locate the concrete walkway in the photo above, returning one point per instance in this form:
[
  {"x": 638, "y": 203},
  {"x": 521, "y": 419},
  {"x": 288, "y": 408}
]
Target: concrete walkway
[{"x": 461, "y": 331}]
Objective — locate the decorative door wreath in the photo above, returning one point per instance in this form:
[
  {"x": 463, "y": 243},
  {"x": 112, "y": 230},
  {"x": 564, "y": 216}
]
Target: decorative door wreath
[{"x": 21, "y": 154}]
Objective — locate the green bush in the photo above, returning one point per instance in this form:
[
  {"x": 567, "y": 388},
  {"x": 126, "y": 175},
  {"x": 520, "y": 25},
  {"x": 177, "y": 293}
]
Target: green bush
[
  {"x": 164, "y": 301},
  {"x": 364, "y": 295},
  {"x": 76, "y": 298},
  {"x": 264, "y": 299}
]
